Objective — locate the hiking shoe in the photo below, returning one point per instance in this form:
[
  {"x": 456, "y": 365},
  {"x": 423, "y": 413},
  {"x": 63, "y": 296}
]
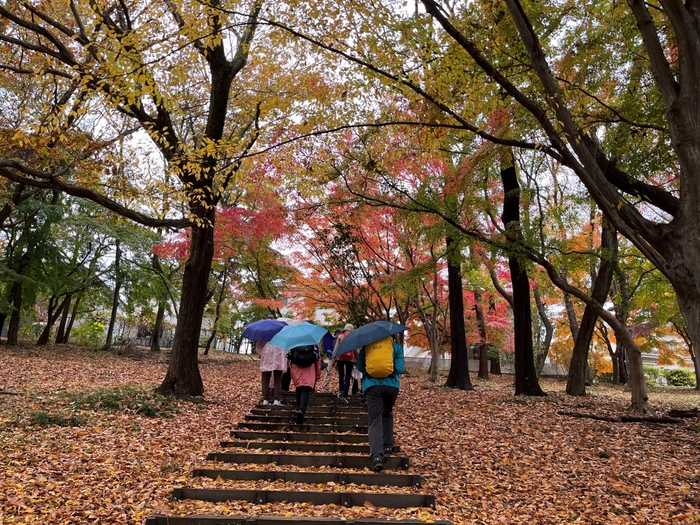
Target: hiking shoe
[
  {"x": 299, "y": 417},
  {"x": 277, "y": 403},
  {"x": 388, "y": 451},
  {"x": 266, "y": 402},
  {"x": 377, "y": 463},
  {"x": 344, "y": 400}
]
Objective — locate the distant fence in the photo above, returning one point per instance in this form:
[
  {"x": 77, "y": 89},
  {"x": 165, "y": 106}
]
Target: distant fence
[{"x": 549, "y": 369}]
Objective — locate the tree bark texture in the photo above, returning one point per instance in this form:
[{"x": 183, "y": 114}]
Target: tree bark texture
[
  {"x": 183, "y": 377},
  {"x": 158, "y": 328},
  {"x": 458, "y": 376},
  {"x": 576, "y": 382},
  {"x": 526, "y": 382}
]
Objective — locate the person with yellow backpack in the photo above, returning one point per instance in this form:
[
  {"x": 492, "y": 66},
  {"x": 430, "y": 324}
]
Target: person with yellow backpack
[{"x": 381, "y": 362}]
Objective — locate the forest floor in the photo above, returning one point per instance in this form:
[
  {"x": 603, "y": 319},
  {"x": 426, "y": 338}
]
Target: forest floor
[{"x": 84, "y": 440}]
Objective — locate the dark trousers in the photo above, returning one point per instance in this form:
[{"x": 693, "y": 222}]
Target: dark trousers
[
  {"x": 344, "y": 376},
  {"x": 303, "y": 397},
  {"x": 277, "y": 374},
  {"x": 286, "y": 380},
  {"x": 380, "y": 409}
]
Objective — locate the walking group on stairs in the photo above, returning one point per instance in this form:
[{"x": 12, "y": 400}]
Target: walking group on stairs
[{"x": 377, "y": 372}]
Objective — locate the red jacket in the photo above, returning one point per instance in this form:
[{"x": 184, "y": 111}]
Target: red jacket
[{"x": 306, "y": 376}]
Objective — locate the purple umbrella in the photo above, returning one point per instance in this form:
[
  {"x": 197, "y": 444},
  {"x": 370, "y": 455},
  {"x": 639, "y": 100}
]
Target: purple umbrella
[{"x": 263, "y": 330}]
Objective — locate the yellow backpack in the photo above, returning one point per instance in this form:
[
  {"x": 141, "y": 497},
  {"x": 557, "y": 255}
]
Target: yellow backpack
[{"x": 379, "y": 358}]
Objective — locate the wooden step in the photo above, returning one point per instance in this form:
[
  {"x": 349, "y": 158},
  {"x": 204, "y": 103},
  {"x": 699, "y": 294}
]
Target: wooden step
[
  {"x": 255, "y": 425},
  {"x": 278, "y": 520},
  {"x": 326, "y": 437},
  {"x": 309, "y": 419},
  {"x": 345, "y": 410},
  {"x": 393, "y": 480},
  {"x": 349, "y": 448},
  {"x": 308, "y": 460},
  {"x": 346, "y": 499}
]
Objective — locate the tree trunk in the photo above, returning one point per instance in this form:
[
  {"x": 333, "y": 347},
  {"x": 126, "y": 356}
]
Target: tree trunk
[
  {"x": 217, "y": 314},
  {"x": 690, "y": 309},
  {"x": 496, "y": 359},
  {"x": 13, "y": 326},
  {"x": 576, "y": 383},
  {"x": 115, "y": 296},
  {"x": 434, "y": 369},
  {"x": 53, "y": 314},
  {"x": 458, "y": 376},
  {"x": 495, "y": 365},
  {"x": 526, "y": 382},
  {"x": 543, "y": 351},
  {"x": 73, "y": 316},
  {"x": 158, "y": 329},
  {"x": 183, "y": 377},
  {"x": 483, "y": 344},
  {"x": 3, "y": 318},
  {"x": 65, "y": 309},
  {"x": 570, "y": 310}
]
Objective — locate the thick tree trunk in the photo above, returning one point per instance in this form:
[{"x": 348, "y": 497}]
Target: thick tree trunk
[
  {"x": 158, "y": 329},
  {"x": 183, "y": 377},
  {"x": 689, "y": 303},
  {"x": 115, "y": 296},
  {"x": 458, "y": 376},
  {"x": 576, "y": 383},
  {"x": 696, "y": 366},
  {"x": 526, "y": 382},
  {"x": 483, "y": 344}
]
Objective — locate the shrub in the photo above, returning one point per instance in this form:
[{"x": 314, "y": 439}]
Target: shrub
[
  {"x": 43, "y": 418},
  {"x": 88, "y": 334},
  {"x": 680, "y": 377},
  {"x": 128, "y": 398},
  {"x": 652, "y": 373}
]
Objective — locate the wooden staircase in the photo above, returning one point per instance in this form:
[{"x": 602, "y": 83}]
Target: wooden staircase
[{"x": 334, "y": 435}]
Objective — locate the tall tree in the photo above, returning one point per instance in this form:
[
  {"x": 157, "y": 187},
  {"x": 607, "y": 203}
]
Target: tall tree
[
  {"x": 578, "y": 370},
  {"x": 668, "y": 36},
  {"x": 177, "y": 71},
  {"x": 526, "y": 382},
  {"x": 458, "y": 376}
]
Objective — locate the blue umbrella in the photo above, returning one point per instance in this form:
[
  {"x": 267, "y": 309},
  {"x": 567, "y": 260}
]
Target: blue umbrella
[
  {"x": 300, "y": 334},
  {"x": 263, "y": 330},
  {"x": 328, "y": 342},
  {"x": 367, "y": 334}
]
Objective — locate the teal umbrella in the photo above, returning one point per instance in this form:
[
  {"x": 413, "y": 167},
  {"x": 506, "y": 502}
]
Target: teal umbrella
[{"x": 300, "y": 334}]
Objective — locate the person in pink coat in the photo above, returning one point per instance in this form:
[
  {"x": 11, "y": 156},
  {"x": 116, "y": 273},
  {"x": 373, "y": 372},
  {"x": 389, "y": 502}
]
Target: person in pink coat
[{"x": 304, "y": 378}]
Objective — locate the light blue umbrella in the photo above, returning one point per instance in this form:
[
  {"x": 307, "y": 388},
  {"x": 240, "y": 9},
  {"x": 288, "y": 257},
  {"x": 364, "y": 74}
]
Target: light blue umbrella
[{"x": 300, "y": 334}]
